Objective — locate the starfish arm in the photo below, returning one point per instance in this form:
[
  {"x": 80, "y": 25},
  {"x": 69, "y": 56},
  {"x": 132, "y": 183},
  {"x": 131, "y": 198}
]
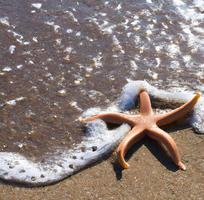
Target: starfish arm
[
  {"x": 136, "y": 134},
  {"x": 111, "y": 117},
  {"x": 178, "y": 113},
  {"x": 164, "y": 138},
  {"x": 145, "y": 103}
]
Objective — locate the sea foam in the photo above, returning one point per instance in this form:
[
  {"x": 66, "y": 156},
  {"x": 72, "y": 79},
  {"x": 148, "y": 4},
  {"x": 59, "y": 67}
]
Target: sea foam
[{"x": 97, "y": 142}]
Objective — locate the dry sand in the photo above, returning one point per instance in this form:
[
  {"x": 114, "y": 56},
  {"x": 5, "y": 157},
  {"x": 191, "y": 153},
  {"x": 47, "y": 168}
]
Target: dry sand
[{"x": 151, "y": 175}]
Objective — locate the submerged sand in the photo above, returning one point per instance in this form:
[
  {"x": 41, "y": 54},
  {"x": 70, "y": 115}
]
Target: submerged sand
[{"x": 151, "y": 175}]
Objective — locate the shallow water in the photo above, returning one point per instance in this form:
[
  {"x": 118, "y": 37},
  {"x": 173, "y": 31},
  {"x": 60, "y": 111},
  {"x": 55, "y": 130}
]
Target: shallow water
[{"x": 62, "y": 57}]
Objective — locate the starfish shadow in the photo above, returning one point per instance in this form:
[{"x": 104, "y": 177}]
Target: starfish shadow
[
  {"x": 161, "y": 155},
  {"x": 177, "y": 126},
  {"x": 117, "y": 167}
]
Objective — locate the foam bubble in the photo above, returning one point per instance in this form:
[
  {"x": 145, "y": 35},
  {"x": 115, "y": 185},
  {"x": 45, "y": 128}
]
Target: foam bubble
[
  {"x": 55, "y": 26},
  {"x": 37, "y": 5},
  {"x": 12, "y": 49},
  {"x": 7, "y": 69},
  {"x": 13, "y": 102},
  {"x": 5, "y": 21},
  {"x": 72, "y": 16}
]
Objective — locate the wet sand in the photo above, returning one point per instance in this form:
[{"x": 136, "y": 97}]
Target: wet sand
[{"x": 151, "y": 175}]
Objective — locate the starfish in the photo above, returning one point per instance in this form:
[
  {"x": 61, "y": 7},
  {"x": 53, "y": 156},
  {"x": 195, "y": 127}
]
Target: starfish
[{"x": 147, "y": 123}]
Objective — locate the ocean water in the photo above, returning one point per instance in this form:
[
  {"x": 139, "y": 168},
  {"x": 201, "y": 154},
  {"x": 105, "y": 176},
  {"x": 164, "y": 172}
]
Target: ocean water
[{"x": 60, "y": 58}]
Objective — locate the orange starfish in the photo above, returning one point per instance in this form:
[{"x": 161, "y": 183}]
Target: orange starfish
[{"x": 147, "y": 123}]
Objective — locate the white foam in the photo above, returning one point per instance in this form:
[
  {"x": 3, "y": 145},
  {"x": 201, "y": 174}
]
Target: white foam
[
  {"x": 74, "y": 104},
  {"x": 152, "y": 74},
  {"x": 69, "y": 30},
  {"x": 133, "y": 65},
  {"x": 61, "y": 92},
  {"x": 135, "y": 22},
  {"x": 12, "y": 49},
  {"x": 55, "y": 26},
  {"x": 30, "y": 62},
  {"x": 68, "y": 49},
  {"x": 26, "y": 43},
  {"x": 5, "y": 21},
  {"x": 78, "y": 34},
  {"x": 174, "y": 65},
  {"x": 193, "y": 15},
  {"x": 106, "y": 27},
  {"x": 98, "y": 140},
  {"x": 116, "y": 45},
  {"x": 118, "y": 7},
  {"x": 173, "y": 49},
  {"x": 72, "y": 16},
  {"x": 89, "y": 39},
  {"x": 158, "y": 62},
  {"x": 19, "y": 37},
  {"x": 13, "y": 102},
  {"x": 189, "y": 12},
  {"x": 7, "y": 69},
  {"x": 97, "y": 63},
  {"x": 35, "y": 39},
  {"x": 19, "y": 66},
  {"x": 37, "y": 5}
]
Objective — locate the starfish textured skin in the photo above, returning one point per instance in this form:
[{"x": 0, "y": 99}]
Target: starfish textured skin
[{"x": 147, "y": 123}]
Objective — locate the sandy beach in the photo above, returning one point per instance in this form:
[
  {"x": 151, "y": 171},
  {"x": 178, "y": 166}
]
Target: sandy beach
[{"x": 151, "y": 175}]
